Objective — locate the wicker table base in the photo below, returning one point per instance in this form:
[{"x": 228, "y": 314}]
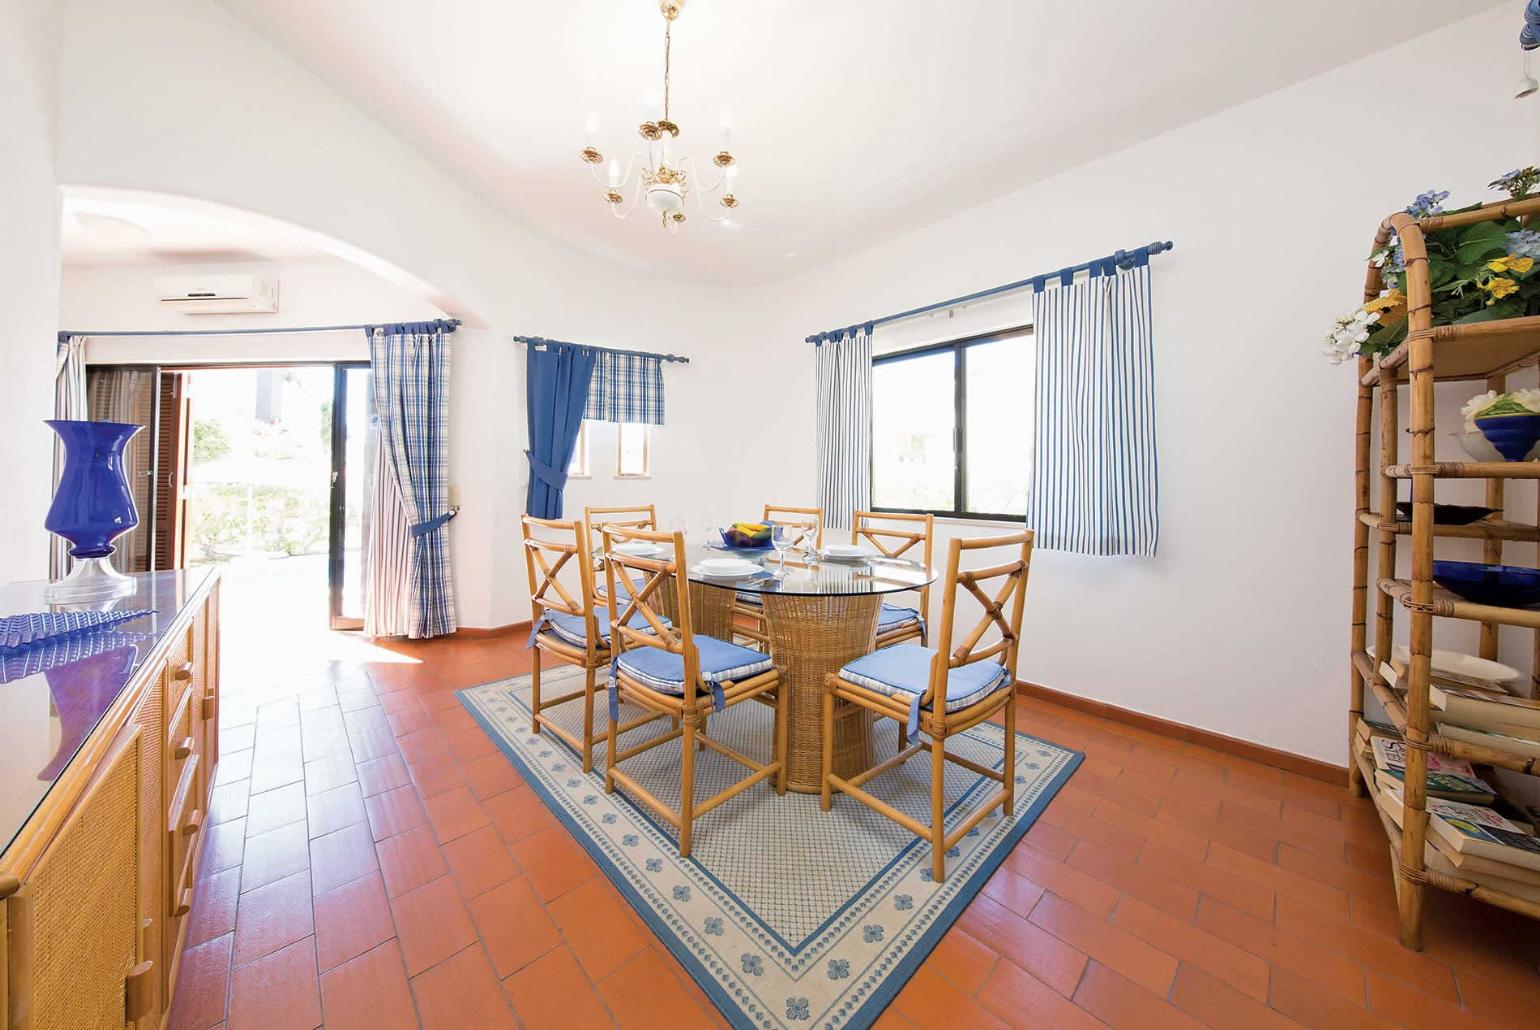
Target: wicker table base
[{"x": 811, "y": 636}]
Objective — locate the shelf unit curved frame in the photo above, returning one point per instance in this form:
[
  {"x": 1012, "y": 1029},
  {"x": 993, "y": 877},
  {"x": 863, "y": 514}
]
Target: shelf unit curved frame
[{"x": 1488, "y": 351}]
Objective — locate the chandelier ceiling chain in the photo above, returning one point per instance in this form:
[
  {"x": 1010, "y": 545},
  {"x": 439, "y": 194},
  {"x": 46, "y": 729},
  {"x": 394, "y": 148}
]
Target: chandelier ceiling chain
[{"x": 666, "y": 183}]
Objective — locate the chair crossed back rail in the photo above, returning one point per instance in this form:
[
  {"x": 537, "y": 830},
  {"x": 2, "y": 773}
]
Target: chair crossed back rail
[
  {"x": 643, "y": 516},
  {"x": 1000, "y": 590},
  {"x": 805, "y": 518},
  {"x": 897, "y": 536},
  {"x": 549, "y": 546},
  {"x": 646, "y": 581}
]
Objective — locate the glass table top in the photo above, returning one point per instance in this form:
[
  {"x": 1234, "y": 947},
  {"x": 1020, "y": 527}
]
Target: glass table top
[
  {"x": 870, "y": 574},
  {"x": 55, "y": 695}
]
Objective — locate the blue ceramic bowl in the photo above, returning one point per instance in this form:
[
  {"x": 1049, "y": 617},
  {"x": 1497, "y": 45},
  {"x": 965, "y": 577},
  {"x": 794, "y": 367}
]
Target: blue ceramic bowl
[
  {"x": 1506, "y": 586},
  {"x": 1514, "y": 436}
]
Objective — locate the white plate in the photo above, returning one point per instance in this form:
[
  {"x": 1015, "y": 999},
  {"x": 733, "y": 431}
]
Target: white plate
[
  {"x": 726, "y": 567},
  {"x": 640, "y": 549},
  {"x": 1460, "y": 666},
  {"x": 846, "y": 551}
]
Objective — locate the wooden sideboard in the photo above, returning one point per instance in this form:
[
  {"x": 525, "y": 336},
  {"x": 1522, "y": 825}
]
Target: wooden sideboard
[{"x": 98, "y": 878}]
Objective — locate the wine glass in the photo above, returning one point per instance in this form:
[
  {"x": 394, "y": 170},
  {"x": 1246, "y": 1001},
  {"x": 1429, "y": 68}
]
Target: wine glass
[
  {"x": 712, "y": 536},
  {"x": 784, "y": 536}
]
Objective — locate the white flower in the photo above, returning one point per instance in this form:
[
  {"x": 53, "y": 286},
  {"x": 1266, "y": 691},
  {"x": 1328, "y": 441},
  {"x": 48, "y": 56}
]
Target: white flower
[
  {"x": 1529, "y": 398},
  {"x": 1348, "y": 334},
  {"x": 1478, "y": 403}
]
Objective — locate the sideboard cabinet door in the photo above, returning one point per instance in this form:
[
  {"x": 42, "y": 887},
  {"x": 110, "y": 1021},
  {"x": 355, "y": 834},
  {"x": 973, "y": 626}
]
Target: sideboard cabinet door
[{"x": 75, "y": 922}]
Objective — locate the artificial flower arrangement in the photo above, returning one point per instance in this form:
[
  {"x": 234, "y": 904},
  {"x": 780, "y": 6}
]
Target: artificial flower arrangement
[
  {"x": 1509, "y": 423},
  {"x": 1477, "y": 273}
]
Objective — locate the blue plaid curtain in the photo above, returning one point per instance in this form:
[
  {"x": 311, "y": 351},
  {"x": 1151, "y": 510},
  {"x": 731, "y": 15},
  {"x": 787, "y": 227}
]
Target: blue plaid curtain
[
  {"x": 1094, "y": 488},
  {"x": 410, "y": 377},
  {"x": 626, "y": 388}
]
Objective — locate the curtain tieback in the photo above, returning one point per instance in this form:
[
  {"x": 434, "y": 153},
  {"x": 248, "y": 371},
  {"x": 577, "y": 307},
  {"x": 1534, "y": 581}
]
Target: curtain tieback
[
  {"x": 424, "y": 528},
  {"x": 556, "y": 479}
]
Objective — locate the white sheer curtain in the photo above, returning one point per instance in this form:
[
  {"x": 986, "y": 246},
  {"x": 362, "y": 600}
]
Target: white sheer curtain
[
  {"x": 69, "y": 402},
  {"x": 387, "y": 548}
]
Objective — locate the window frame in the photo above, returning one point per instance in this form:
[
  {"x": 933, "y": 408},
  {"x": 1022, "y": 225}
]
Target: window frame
[
  {"x": 646, "y": 472},
  {"x": 959, "y": 349},
  {"x": 580, "y": 455}
]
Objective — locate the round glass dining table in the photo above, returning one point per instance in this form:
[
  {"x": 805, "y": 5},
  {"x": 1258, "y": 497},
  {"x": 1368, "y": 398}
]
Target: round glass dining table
[{"x": 817, "y": 617}]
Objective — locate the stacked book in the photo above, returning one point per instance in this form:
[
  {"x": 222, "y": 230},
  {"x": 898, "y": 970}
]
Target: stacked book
[
  {"x": 1477, "y": 713},
  {"x": 1476, "y": 830}
]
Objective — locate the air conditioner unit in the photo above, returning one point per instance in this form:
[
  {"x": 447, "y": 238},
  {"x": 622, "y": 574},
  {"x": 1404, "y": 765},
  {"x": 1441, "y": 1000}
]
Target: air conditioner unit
[{"x": 219, "y": 294}]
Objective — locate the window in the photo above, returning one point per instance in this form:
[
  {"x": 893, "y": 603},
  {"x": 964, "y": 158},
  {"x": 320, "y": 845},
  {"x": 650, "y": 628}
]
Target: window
[
  {"x": 951, "y": 427},
  {"x": 577, "y": 468},
  {"x": 631, "y": 461}
]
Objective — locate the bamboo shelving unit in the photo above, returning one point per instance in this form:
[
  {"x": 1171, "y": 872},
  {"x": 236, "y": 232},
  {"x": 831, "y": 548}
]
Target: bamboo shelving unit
[{"x": 1481, "y": 351}]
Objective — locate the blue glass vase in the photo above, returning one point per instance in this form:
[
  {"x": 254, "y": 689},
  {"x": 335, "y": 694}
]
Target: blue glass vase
[{"x": 92, "y": 507}]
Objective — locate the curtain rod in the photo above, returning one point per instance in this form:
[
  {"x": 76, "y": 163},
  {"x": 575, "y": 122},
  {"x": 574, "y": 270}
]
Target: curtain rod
[
  {"x": 1119, "y": 258},
  {"x": 609, "y": 350},
  {"x": 449, "y": 324}
]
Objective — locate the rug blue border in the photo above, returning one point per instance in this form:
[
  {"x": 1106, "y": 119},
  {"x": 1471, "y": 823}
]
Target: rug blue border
[{"x": 894, "y": 982}]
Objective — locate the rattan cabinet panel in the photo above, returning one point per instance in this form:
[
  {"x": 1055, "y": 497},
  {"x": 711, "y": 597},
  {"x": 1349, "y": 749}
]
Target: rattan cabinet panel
[
  {"x": 75, "y": 921},
  {"x": 97, "y": 884}
]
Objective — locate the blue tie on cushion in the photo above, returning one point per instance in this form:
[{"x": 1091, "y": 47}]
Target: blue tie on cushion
[
  {"x": 750, "y": 598},
  {"x": 892, "y": 617},
  {"x": 663, "y": 671},
  {"x": 574, "y": 629},
  {"x": 904, "y": 669}
]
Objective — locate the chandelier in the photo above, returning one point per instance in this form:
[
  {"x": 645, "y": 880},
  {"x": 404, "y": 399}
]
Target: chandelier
[{"x": 666, "y": 181}]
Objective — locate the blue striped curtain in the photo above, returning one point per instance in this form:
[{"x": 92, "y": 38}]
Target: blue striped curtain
[
  {"x": 626, "y": 388},
  {"x": 1093, "y": 487},
  {"x": 844, "y": 423},
  {"x": 410, "y": 385}
]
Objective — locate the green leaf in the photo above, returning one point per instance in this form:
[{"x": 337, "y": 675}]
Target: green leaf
[
  {"x": 1481, "y": 241},
  {"x": 1505, "y": 308}
]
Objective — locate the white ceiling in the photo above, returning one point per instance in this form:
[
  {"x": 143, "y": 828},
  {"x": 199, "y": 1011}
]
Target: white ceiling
[
  {"x": 853, "y": 119},
  {"x": 107, "y": 227}
]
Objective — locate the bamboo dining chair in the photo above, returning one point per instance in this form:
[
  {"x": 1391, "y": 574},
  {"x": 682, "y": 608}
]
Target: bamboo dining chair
[
  {"x": 671, "y": 672},
  {"x": 943, "y": 691},
  {"x": 641, "y": 516},
  {"x": 748, "y": 609},
  {"x": 567, "y": 626},
  {"x": 897, "y": 536}
]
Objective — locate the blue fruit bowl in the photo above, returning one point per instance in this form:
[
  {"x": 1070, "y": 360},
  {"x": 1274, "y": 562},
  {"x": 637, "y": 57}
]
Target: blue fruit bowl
[
  {"x": 1514, "y": 436},
  {"x": 741, "y": 541},
  {"x": 1506, "y": 586}
]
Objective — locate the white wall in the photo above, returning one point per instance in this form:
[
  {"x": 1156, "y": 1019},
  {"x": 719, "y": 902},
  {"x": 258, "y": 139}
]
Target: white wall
[
  {"x": 227, "y": 118},
  {"x": 29, "y": 276},
  {"x": 1271, "y": 205},
  {"x": 1240, "y": 625},
  {"x": 318, "y": 290}
]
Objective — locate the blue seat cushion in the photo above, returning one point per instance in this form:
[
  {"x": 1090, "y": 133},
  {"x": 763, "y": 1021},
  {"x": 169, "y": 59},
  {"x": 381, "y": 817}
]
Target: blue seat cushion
[
  {"x": 903, "y": 670},
  {"x": 720, "y": 662},
  {"x": 750, "y": 598},
  {"x": 574, "y": 629},
  {"x": 893, "y": 617}
]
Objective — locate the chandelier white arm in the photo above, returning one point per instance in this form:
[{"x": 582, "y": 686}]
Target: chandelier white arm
[{"x": 665, "y": 183}]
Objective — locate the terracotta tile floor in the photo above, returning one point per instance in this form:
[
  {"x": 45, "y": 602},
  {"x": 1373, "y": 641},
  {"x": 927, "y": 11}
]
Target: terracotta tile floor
[{"x": 374, "y": 862}]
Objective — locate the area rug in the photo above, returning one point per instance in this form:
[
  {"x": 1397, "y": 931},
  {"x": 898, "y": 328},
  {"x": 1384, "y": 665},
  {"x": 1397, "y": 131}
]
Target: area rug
[{"x": 784, "y": 914}]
